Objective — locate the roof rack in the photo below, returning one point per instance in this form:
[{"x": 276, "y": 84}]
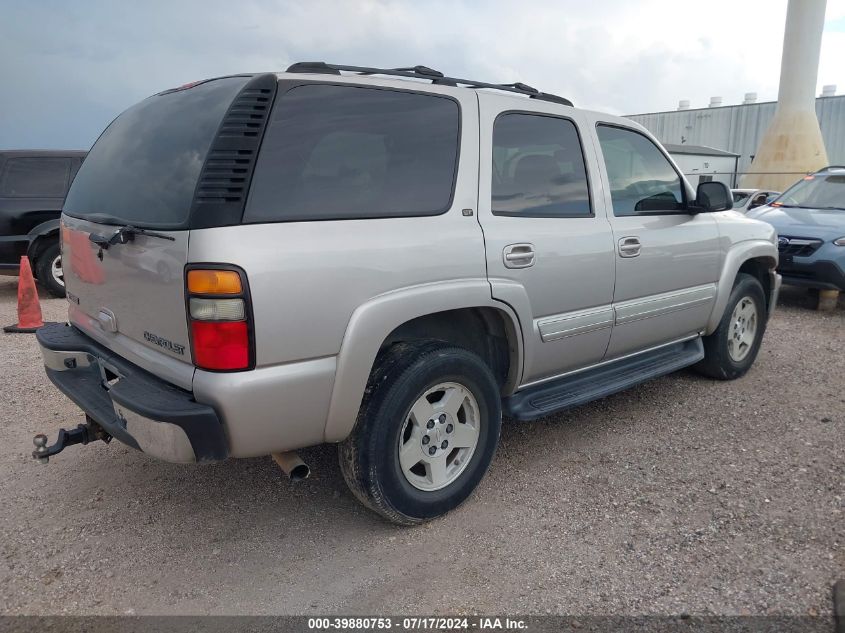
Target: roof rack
[{"x": 424, "y": 72}]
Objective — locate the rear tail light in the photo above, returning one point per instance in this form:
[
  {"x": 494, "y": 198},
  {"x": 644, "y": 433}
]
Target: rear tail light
[
  {"x": 214, "y": 282},
  {"x": 223, "y": 346},
  {"x": 220, "y": 319}
]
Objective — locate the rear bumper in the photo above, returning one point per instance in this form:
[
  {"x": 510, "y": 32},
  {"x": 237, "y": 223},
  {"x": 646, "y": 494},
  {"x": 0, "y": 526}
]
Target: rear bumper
[
  {"x": 819, "y": 274},
  {"x": 131, "y": 404}
]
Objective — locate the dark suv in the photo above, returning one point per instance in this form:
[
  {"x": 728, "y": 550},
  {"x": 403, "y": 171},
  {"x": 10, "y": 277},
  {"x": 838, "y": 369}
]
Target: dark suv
[{"x": 33, "y": 184}]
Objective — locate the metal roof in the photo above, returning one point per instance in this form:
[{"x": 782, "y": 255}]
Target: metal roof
[
  {"x": 740, "y": 128},
  {"x": 697, "y": 150}
]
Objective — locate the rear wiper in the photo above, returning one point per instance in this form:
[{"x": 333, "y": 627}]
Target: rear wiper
[{"x": 125, "y": 234}]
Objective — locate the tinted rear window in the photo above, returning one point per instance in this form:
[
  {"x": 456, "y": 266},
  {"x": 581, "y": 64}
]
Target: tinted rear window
[
  {"x": 538, "y": 168},
  {"x": 35, "y": 177},
  {"x": 144, "y": 168},
  {"x": 337, "y": 152}
]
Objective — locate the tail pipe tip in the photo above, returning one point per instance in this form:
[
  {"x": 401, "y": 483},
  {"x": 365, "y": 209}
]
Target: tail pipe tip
[{"x": 292, "y": 465}]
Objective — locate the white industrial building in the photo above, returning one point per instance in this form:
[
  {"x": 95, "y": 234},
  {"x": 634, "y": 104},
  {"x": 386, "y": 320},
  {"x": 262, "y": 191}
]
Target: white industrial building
[
  {"x": 735, "y": 130},
  {"x": 700, "y": 163}
]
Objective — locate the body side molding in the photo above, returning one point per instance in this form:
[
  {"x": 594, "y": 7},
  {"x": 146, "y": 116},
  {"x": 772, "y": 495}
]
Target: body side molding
[{"x": 664, "y": 303}]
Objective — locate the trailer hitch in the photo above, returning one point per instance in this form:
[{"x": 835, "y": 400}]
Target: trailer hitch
[{"x": 82, "y": 434}]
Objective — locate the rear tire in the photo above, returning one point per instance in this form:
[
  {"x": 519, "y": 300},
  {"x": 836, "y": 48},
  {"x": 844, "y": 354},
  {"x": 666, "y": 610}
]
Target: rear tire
[
  {"x": 48, "y": 269},
  {"x": 426, "y": 432},
  {"x": 730, "y": 351}
]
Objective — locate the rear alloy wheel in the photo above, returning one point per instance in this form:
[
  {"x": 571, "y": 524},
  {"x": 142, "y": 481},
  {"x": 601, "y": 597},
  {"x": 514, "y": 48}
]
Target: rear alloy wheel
[
  {"x": 426, "y": 432},
  {"x": 730, "y": 351},
  {"x": 439, "y": 436},
  {"x": 48, "y": 269}
]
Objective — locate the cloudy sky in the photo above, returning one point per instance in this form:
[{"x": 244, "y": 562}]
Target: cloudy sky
[{"x": 67, "y": 68}]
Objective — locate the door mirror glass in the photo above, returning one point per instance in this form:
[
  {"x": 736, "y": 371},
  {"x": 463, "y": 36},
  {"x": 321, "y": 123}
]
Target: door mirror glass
[{"x": 713, "y": 196}]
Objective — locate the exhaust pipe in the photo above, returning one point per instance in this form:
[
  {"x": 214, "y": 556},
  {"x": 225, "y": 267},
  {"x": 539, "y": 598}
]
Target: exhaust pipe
[{"x": 292, "y": 464}]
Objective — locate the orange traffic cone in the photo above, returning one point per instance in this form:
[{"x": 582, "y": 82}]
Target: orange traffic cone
[{"x": 29, "y": 309}]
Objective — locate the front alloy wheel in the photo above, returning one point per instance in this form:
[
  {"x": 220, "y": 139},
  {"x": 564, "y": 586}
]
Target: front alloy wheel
[
  {"x": 743, "y": 329},
  {"x": 731, "y": 349}
]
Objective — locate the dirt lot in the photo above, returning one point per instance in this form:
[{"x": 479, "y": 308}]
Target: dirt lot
[{"x": 682, "y": 495}]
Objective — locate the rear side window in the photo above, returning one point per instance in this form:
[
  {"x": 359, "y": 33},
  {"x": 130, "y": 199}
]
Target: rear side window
[
  {"x": 341, "y": 152},
  {"x": 144, "y": 168},
  {"x": 641, "y": 178},
  {"x": 35, "y": 177},
  {"x": 538, "y": 167}
]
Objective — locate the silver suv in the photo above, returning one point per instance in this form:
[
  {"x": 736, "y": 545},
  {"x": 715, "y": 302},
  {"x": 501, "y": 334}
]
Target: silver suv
[{"x": 390, "y": 260}]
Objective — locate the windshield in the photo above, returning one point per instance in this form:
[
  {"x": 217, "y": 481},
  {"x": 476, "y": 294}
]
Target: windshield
[
  {"x": 144, "y": 168},
  {"x": 819, "y": 191}
]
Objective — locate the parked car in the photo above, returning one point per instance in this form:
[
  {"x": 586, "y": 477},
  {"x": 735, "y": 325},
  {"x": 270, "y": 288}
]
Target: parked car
[
  {"x": 747, "y": 199},
  {"x": 33, "y": 184},
  {"x": 388, "y": 260},
  {"x": 809, "y": 218}
]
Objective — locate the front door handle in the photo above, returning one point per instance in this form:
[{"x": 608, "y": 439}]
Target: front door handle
[
  {"x": 519, "y": 255},
  {"x": 629, "y": 247}
]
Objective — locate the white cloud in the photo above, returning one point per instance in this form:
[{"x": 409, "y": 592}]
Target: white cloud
[{"x": 67, "y": 69}]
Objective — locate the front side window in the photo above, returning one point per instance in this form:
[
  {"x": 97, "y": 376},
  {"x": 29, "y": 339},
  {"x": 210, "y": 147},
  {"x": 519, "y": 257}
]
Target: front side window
[
  {"x": 344, "y": 152},
  {"x": 538, "y": 168},
  {"x": 35, "y": 177},
  {"x": 641, "y": 179}
]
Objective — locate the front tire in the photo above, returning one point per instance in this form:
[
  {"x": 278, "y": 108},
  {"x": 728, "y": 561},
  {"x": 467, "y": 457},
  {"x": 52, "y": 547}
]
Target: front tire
[
  {"x": 426, "y": 432},
  {"x": 730, "y": 351},
  {"x": 48, "y": 269}
]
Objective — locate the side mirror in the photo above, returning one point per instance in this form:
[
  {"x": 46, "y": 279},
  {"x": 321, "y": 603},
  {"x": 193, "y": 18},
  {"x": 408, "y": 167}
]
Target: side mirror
[{"x": 713, "y": 196}]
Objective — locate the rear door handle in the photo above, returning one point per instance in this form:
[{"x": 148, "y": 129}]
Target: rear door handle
[
  {"x": 629, "y": 247},
  {"x": 519, "y": 255}
]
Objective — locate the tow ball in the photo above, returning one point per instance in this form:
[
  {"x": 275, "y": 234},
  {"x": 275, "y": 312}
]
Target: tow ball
[{"x": 82, "y": 434}]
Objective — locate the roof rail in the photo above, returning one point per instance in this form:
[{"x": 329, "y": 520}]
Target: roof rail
[
  {"x": 424, "y": 72},
  {"x": 831, "y": 167}
]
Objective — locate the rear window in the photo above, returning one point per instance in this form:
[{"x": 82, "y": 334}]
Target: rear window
[
  {"x": 338, "y": 152},
  {"x": 35, "y": 177},
  {"x": 144, "y": 168}
]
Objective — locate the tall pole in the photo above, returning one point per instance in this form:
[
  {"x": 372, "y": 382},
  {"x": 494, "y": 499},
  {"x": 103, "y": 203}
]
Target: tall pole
[{"x": 793, "y": 144}]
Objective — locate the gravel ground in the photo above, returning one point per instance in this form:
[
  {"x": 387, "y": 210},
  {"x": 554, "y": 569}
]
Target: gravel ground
[{"x": 681, "y": 495}]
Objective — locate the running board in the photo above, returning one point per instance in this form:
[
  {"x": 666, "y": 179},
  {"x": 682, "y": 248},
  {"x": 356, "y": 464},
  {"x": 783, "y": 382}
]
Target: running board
[{"x": 572, "y": 391}]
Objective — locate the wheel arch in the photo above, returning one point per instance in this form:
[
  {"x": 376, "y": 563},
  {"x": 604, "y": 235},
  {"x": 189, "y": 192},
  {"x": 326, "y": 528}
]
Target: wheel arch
[
  {"x": 40, "y": 237},
  {"x": 444, "y": 310},
  {"x": 755, "y": 257}
]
